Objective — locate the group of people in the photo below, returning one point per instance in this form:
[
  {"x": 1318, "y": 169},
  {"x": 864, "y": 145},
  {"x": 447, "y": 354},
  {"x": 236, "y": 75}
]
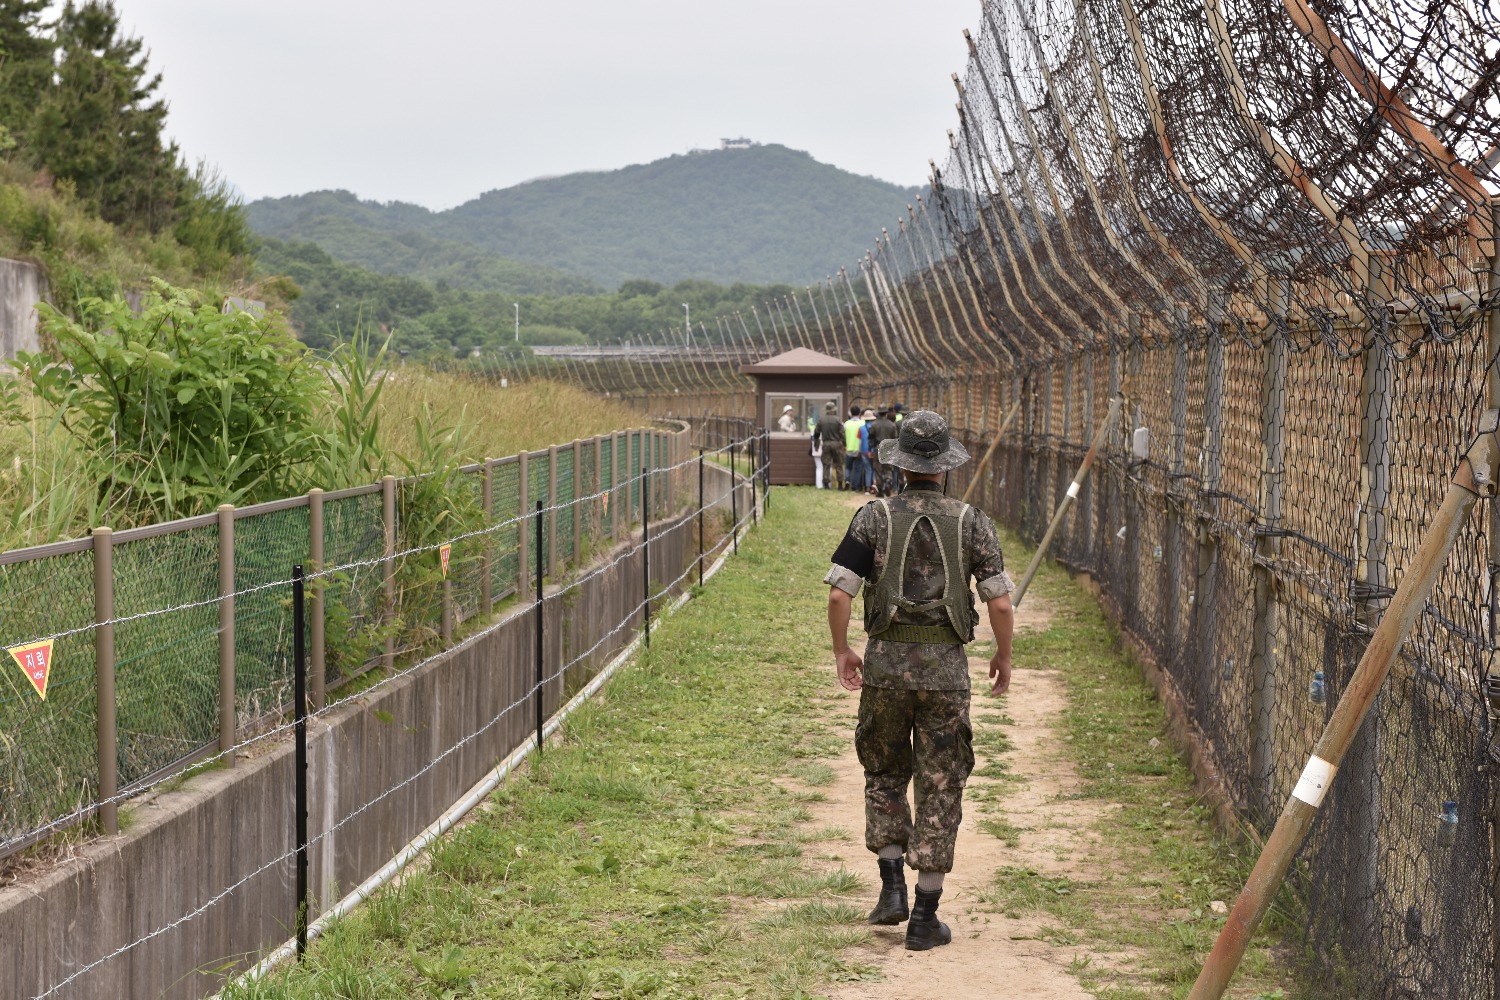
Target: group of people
[{"x": 849, "y": 450}]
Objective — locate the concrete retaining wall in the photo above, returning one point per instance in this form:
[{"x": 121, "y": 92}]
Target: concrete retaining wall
[
  {"x": 207, "y": 872},
  {"x": 22, "y": 286}
]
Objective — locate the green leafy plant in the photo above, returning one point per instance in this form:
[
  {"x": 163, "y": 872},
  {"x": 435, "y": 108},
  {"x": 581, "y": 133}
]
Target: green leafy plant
[{"x": 182, "y": 407}]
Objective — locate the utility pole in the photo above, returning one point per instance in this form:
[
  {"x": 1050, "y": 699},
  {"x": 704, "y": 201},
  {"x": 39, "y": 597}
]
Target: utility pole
[
  {"x": 687, "y": 325},
  {"x": 518, "y": 320}
]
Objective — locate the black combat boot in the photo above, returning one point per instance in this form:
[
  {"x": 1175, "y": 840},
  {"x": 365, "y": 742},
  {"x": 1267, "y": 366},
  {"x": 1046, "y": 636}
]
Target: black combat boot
[
  {"x": 890, "y": 908},
  {"x": 925, "y": 930}
]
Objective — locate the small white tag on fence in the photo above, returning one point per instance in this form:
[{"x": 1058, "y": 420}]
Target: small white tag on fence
[
  {"x": 1313, "y": 785},
  {"x": 1073, "y": 491}
]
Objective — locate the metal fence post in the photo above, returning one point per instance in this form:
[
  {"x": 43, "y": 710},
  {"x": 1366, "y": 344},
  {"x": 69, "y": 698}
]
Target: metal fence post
[
  {"x": 226, "y": 634},
  {"x": 388, "y": 515},
  {"x": 523, "y": 500},
  {"x": 646, "y": 557},
  {"x": 700, "y": 517},
  {"x": 734, "y": 502},
  {"x": 540, "y": 629},
  {"x": 299, "y": 780},
  {"x": 487, "y": 558},
  {"x": 1360, "y": 790},
  {"x": 317, "y": 636},
  {"x": 1204, "y": 612},
  {"x": 104, "y": 666},
  {"x": 1263, "y": 653},
  {"x": 1086, "y": 501},
  {"x": 1173, "y": 522}
]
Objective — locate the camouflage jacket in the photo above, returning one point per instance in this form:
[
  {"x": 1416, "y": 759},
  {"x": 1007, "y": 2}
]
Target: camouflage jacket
[{"x": 919, "y": 666}]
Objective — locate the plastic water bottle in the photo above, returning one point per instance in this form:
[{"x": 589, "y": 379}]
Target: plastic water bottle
[
  {"x": 1317, "y": 690},
  {"x": 1447, "y": 832}
]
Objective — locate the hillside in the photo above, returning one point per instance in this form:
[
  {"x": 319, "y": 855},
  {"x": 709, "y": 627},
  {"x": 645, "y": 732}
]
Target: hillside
[{"x": 766, "y": 214}]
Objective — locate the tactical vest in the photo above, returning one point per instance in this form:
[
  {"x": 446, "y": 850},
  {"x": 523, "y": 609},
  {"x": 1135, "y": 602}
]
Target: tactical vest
[{"x": 884, "y": 596}]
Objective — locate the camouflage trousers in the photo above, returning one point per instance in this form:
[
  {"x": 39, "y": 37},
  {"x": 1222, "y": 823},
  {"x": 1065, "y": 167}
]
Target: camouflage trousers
[
  {"x": 833, "y": 466},
  {"x": 923, "y": 738}
]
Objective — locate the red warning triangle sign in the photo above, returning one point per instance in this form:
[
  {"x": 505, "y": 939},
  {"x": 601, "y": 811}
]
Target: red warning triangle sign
[
  {"x": 35, "y": 661},
  {"x": 444, "y": 553}
]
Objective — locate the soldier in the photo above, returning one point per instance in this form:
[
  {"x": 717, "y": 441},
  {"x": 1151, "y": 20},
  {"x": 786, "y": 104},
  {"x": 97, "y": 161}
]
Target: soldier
[
  {"x": 916, "y": 553},
  {"x": 830, "y": 432}
]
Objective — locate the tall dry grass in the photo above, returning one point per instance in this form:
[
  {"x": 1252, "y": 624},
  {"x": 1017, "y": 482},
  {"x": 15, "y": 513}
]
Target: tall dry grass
[
  {"x": 493, "y": 422},
  {"x": 46, "y": 493}
]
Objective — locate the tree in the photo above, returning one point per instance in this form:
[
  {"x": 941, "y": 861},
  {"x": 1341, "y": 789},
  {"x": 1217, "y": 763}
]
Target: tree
[
  {"x": 25, "y": 63},
  {"x": 100, "y": 125}
]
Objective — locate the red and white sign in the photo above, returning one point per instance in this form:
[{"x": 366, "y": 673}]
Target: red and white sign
[
  {"x": 444, "y": 553},
  {"x": 35, "y": 661}
]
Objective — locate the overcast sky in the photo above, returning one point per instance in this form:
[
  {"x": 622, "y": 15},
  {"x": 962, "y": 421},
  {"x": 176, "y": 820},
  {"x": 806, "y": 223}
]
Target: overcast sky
[{"x": 436, "y": 102}]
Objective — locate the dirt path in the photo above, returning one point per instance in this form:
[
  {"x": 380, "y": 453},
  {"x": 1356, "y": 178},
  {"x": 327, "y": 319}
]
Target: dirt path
[{"x": 989, "y": 949}]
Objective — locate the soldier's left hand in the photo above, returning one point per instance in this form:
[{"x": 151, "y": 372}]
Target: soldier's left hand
[
  {"x": 851, "y": 670},
  {"x": 1000, "y": 674}
]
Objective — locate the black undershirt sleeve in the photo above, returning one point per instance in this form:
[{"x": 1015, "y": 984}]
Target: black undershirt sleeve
[{"x": 854, "y": 555}]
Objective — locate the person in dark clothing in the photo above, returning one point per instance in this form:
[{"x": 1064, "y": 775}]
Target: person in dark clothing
[
  {"x": 829, "y": 432},
  {"x": 883, "y": 429}
]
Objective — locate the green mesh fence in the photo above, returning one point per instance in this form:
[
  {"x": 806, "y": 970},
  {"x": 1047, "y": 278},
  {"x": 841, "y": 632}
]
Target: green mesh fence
[
  {"x": 506, "y": 541},
  {"x": 466, "y": 560},
  {"x": 47, "y": 748},
  {"x": 632, "y": 473},
  {"x": 167, "y": 665},
  {"x": 266, "y": 548},
  {"x": 536, "y": 486},
  {"x": 567, "y": 493},
  {"x": 607, "y": 483},
  {"x": 167, "y": 661},
  {"x": 352, "y": 534}
]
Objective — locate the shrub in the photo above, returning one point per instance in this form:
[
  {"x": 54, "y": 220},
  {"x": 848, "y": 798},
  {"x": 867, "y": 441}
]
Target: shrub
[{"x": 182, "y": 407}]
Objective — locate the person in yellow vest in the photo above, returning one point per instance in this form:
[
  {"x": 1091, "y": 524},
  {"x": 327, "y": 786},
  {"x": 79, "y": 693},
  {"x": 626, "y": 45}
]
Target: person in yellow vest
[{"x": 853, "y": 462}]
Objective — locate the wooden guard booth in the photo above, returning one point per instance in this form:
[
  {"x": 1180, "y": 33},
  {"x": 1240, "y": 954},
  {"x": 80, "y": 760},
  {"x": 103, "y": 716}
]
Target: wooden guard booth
[{"x": 804, "y": 380}]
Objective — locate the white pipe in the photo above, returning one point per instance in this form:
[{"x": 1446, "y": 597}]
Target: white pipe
[{"x": 461, "y": 808}]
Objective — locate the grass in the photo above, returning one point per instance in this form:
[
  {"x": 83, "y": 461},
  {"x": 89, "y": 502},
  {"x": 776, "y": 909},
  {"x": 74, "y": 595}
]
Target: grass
[
  {"x": 1143, "y": 910},
  {"x": 47, "y": 493},
  {"x": 499, "y": 422},
  {"x": 653, "y": 852}
]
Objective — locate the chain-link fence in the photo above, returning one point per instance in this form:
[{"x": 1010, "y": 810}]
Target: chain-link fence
[
  {"x": 165, "y": 619},
  {"x": 1270, "y": 227}
]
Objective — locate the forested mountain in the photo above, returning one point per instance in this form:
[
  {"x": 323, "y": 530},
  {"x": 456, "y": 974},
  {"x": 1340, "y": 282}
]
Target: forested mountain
[{"x": 763, "y": 214}]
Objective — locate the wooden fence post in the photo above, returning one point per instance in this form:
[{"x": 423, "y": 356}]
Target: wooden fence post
[{"x": 487, "y": 558}]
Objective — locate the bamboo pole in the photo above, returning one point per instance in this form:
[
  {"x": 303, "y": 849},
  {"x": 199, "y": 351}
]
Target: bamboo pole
[
  {"x": 1067, "y": 500},
  {"x": 1475, "y": 476},
  {"x": 990, "y": 451}
]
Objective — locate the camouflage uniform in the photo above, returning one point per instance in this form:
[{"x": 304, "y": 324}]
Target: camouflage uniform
[{"x": 914, "y": 706}]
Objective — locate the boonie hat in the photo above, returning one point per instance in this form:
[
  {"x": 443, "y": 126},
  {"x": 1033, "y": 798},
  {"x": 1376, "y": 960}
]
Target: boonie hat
[
  {"x": 867, "y": 415},
  {"x": 923, "y": 445},
  {"x": 830, "y": 406}
]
